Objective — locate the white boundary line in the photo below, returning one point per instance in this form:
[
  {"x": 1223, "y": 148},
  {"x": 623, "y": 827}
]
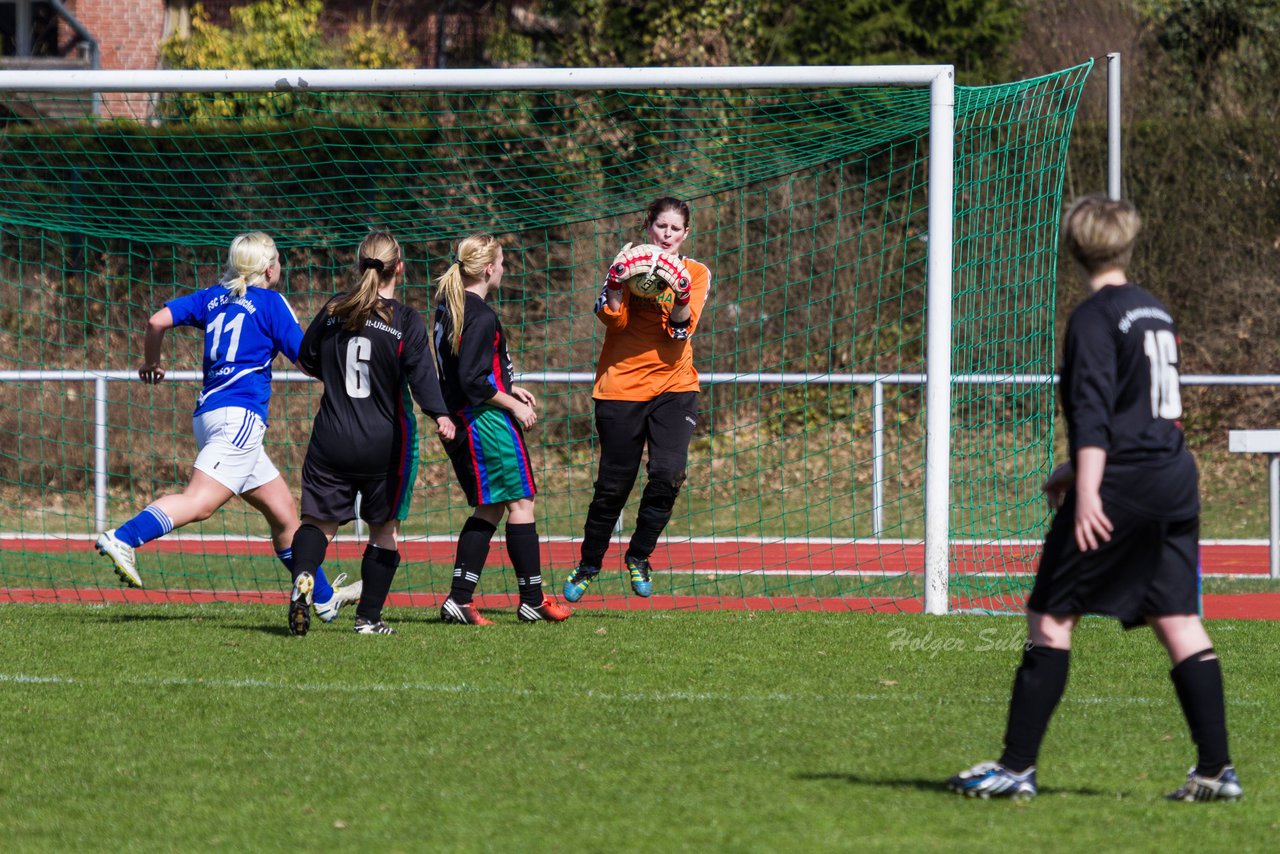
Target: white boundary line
[{"x": 603, "y": 696}]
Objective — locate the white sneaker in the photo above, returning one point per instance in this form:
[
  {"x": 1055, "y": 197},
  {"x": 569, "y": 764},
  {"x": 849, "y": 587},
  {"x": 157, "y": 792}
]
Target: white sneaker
[
  {"x": 121, "y": 554},
  {"x": 327, "y": 611},
  {"x": 372, "y": 627},
  {"x": 1224, "y": 787}
]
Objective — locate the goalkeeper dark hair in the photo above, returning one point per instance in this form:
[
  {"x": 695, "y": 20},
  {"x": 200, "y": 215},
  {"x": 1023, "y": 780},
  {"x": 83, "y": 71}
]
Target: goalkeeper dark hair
[
  {"x": 377, "y": 264},
  {"x": 474, "y": 253},
  {"x": 667, "y": 203}
]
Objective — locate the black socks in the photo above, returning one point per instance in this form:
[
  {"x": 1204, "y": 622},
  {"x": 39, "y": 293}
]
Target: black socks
[
  {"x": 309, "y": 547},
  {"x": 526, "y": 558},
  {"x": 377, "y": 570},
  {"x": 1198, "y": 681},
  {"x": 473, "y": 551},
  {"x": 1037, "y": 688}
]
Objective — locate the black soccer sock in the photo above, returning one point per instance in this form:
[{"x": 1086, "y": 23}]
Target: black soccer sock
[
  {"x": 526, "y": 559},
  {"x": 473, "y": 551},
  {"x": 1037, "y": 688},
  {"x": 309, "y": 547},
  {"x": 1198, "y": 681},
  {"x": 377, "y": 570}
]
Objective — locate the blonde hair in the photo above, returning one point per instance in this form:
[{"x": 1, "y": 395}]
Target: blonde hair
[
  {"x": 1100, "y": 233},
  {"x": 248, "y": 260},
  {"x": 474, "y": 253},
  {"x": 376, "y": 262}
]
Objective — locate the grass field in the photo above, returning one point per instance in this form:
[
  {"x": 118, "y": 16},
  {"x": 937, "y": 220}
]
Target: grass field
[{"x": 133, "y": 727}]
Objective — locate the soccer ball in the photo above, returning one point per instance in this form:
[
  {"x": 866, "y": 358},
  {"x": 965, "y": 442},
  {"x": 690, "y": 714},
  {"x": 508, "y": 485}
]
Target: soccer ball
[{"x": 647, "y": 283}]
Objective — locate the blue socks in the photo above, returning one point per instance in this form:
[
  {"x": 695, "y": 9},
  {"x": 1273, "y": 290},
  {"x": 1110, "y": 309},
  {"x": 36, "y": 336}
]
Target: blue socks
[
  {"x": 323, "y": 590},
  {"x": 151, "y": 524}
]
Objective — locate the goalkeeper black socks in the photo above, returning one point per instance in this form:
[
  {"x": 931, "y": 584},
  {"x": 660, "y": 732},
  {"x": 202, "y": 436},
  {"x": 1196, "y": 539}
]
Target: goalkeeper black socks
[
  {"x": 1198, "y": 681},
  {"x": 1037, "y": 687},
  {"x": 378, "y": 570},
  {"x": 473, "y": 551},
  {"x": 526, "y": 559},
  {"x": 309, "y": 547}
]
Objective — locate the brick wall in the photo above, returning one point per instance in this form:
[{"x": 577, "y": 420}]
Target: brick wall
[
  {"x": 128, "y": 31},
  {"x": 128, "y": 34}
]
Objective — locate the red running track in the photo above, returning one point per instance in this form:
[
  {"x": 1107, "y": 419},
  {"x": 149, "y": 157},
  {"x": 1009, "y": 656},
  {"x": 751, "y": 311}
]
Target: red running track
[
  {"x": 722, "y": 556},
  {"x": 727, "y": 557}
]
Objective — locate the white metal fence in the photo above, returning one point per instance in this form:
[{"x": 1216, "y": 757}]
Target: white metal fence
[{"x": 877, "y": 382}]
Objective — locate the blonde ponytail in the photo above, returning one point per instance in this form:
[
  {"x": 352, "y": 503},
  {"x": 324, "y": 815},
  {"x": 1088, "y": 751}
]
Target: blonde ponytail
[
  {"x": 248, "y": 260},
  {"x": 377, "y": 261},
  {"x": 474, "y": 254}
]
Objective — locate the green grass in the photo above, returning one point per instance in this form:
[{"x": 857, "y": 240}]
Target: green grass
[{"x": 200, "y": 728}]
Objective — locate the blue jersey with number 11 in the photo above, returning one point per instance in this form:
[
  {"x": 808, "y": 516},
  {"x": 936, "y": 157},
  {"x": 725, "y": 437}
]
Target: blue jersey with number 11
[{"x": 241, "y": 338}]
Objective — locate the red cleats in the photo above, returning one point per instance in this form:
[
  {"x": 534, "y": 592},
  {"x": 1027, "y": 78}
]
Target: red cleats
[
  {"x": 550, "y": 610},
  {"x": 465, "y": 614}
]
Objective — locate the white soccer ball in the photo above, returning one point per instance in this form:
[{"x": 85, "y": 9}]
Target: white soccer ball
[{"x": 646, "y": 283}]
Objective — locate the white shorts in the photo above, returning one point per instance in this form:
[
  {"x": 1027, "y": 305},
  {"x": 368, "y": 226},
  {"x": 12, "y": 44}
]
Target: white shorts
[{"x": 229, "y": 441}]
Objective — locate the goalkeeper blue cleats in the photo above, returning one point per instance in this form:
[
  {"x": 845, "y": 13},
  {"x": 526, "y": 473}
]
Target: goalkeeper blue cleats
[
  {"x": 638, "y": 568},
  {"x": 579, "y": 581},
  {"x": 993, "y": 780},
  {"x": 1224, "y": 787}
]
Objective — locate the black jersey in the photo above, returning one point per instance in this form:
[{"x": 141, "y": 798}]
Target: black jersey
[
  {"x": 483, "y": 366},
  {"x": 1120, "y": 392},
  {"x": 366, "y": 420}
]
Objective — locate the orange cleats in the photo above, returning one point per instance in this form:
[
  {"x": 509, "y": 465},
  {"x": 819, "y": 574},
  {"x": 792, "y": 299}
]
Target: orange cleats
[
  {"x": 466, "y": 614},
  {"x": 550, "y": 610}
]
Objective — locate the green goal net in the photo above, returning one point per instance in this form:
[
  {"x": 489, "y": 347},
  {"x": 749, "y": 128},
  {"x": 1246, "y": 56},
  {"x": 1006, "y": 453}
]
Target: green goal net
[{"x": 806, "y": 478}]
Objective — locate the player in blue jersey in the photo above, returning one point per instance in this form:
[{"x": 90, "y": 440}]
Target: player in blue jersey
[{"x": 245, "y": 325}]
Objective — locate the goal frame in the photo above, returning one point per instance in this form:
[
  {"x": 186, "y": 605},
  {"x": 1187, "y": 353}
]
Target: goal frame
[{"x": 938, "y": 79}]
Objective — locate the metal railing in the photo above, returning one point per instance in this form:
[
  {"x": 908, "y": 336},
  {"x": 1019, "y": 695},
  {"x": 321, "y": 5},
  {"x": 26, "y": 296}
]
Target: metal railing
[{"x": 877, "y": 382}]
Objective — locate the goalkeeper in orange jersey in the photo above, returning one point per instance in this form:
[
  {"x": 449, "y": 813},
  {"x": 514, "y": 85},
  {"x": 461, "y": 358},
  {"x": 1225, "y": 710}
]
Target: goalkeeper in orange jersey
[{"x": 646, "y": 392}]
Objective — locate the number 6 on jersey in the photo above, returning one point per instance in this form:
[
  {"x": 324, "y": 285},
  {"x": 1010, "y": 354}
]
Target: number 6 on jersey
[{"x": 359, "y": 352}]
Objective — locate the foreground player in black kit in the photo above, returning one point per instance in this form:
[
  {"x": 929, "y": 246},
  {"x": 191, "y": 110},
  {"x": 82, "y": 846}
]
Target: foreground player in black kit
[
  {"x": 1125, "y": 540},
  {"x": 369, "y": 349}
]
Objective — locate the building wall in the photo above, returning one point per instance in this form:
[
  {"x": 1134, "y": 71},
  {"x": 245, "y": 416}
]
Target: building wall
[{"x": 128, "y": 31}]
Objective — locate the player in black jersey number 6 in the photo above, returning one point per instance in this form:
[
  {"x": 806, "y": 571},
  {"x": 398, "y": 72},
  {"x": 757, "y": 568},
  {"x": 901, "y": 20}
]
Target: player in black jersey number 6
[
  {"x": 1125, "y": 539},
  {"x": 368, "y": 349}
]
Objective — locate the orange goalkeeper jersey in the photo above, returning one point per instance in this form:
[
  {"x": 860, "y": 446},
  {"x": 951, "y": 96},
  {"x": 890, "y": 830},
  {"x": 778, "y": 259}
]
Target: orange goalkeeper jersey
[{"x": 643, "y": 356}]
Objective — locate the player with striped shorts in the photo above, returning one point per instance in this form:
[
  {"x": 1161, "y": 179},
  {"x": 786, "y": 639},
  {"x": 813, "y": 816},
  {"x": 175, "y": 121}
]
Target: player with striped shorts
[
  {"x": 373, "y": 354},
  {"x": 489, "y": 454},
  {"x": 245, "y": 325}
]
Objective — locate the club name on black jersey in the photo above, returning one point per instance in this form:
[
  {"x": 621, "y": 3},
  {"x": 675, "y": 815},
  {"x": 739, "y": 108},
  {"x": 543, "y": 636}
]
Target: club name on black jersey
[{"x": 371, "y": 378}]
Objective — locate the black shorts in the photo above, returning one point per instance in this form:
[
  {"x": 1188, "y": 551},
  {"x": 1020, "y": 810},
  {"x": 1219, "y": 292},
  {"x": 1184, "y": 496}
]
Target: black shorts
[
  {"x": 1149, "y": 568},
  {"x": 331, "y": 495}
]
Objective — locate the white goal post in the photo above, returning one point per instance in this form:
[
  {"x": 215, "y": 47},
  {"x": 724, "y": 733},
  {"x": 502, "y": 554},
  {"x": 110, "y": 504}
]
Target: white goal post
[{"x": 939, "y": 79}]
